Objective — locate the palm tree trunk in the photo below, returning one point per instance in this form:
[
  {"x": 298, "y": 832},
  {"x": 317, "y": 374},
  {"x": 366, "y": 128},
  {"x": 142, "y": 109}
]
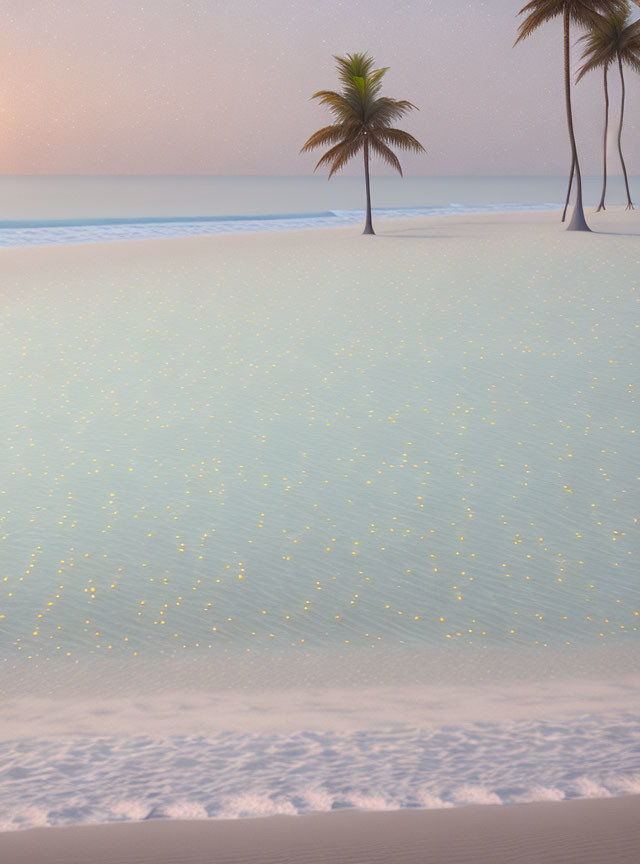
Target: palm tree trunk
[
  {"x": 368, "y": 227},
  {"x": 571, "y": 176},
  {"x": 601, "y": 205},
  {"x": 624, "y": 167},
  {"x": 578, "y": 222}
]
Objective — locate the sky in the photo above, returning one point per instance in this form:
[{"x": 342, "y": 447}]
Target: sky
[{"x": 224, "y": 86}]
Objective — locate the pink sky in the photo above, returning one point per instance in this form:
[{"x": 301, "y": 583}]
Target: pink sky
[{"x": 223, "y": 87}]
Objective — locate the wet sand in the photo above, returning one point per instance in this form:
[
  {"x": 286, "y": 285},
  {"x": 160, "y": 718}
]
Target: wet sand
[{"x": 569, "y": 832}]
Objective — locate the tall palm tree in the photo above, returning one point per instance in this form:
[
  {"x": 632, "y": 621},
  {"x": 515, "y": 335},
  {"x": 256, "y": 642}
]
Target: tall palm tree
[
  {"x": 582, "y": 13},
  {"x": 596, "y": 39},
  {"x": 363, "y": 122},
  {"x": 613, "y": 39}
]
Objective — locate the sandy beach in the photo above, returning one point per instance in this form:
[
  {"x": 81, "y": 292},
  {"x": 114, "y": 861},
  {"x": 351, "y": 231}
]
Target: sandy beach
[
  {"x": 483, "y": 248},
  {"x": 469, "y": 322},
  {"x": 319, "y": 489},
  {"x": 572, "y": 832}
]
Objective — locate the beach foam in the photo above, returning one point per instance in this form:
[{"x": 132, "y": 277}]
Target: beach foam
[
  {"x": 51, "y": 231},
  {"x": 231, "y": 775}
]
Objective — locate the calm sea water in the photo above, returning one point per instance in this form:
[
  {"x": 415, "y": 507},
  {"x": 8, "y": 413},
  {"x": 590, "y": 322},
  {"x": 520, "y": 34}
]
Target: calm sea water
[
  {"x": 56, "y": 197},
  {"x": 217, "y": 483},
  {"x": 37, "y": 210}
]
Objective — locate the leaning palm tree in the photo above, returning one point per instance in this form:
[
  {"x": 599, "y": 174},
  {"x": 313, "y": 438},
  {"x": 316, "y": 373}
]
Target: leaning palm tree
[
  {"x": 363, "y": 121},
  {"x": 613, "y": 39},
  {"x": 581, "y": 12}
]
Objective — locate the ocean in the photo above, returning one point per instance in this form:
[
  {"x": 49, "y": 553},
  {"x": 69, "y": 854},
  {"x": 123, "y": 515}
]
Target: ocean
[
  {"x": 77, "y": 209},
  {"x": 268, "y": 548}
]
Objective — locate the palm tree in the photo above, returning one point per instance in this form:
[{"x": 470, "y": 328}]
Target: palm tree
[
  {"x": 363, "y": 122},
  {"x": 581, "y": 12},
  {"x": 612, "y": 39}
]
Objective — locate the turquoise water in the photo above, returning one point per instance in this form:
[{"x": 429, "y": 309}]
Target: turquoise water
[{"x": 214, "y": 478}]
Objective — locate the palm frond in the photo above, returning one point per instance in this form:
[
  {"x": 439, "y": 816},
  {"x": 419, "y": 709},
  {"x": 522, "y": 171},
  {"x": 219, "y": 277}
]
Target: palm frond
[
  {"x": 595, "y": 61},
  {"x": 401, "y": 139},
  {"x": 336, "y": 152},
  {"x": 374, "y": 81},
  {"x": 633, "y": 29},
  {"x": 386, "y": 110},
  {"x": 630, "y": 39},
  {"x": 599, "y": 34},
  {"x": 630, "y": 56},
  {"x": 610, "y": 37},
  {"x": 340, "y": 107},
  {"x": 586, "y": 12},
  {"x": 582, "y": 12},
  {"x": 387, "y": 155},
  {"x": 600, "y": 46},
  {"x": 634, "y": 63},
  {"x": 326, "y": 135},
  {"x": 538, "y": 12},
  {"x": 353, "y": 65},
  {"x": 340, "y": 155}
]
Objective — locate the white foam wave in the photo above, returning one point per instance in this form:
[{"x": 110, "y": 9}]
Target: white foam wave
[
  {"x": 247, "y": 806},
  {"x": 319, "y": 800},
  {"x": 371, "y": 802},
  {"x": 475, "y": 795},
  {"x": 428, "y": 801},
  {"x": 627, "y": 785},
  {"x": 82, "y": 233},
  {"x": 234, "y": 775},
  {"x": 186, "y": 810},
  {"x": 587, "y": 788},
  {"x": 541, "y": 793},
  {"x": 129, "y": 811},
  {"x": 24, "y": 817}
]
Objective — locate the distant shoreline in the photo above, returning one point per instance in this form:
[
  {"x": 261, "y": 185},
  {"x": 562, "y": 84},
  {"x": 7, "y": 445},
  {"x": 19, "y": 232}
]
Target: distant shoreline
[{"x": 49, "y": 232}]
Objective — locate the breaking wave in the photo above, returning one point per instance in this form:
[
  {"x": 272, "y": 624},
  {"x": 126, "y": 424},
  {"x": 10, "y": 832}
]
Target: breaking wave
[{"x": 237, "y": 775}]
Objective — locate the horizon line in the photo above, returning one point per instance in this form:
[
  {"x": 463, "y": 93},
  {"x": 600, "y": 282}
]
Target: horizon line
[{"x": 307, "y": 176}]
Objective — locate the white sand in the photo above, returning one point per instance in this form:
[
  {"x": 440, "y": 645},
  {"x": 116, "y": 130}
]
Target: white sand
[{"x": 516, "y": 236}]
